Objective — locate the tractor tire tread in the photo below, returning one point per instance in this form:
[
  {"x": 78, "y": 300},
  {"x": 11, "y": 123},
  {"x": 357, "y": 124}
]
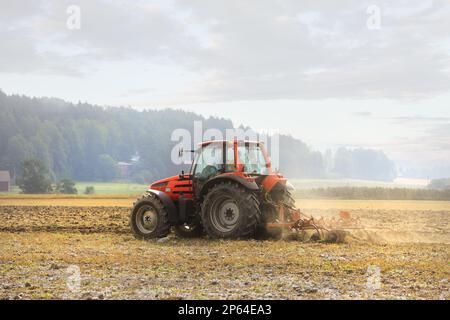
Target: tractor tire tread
[
  {"x": 163, "y": 228},
  {"x": 246, "y": 199}
]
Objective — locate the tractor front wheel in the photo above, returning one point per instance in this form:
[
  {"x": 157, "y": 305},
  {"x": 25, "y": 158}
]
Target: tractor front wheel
[
  {"x": 230, "y": 211},
  {"x": 149, "y": 219}
]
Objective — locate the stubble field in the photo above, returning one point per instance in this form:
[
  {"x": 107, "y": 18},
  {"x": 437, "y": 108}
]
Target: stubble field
[{"x": 83, "y": 249}]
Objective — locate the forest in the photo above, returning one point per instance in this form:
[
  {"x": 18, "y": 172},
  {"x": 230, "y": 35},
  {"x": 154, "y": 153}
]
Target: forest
[
  {"x": 375, "y": 193},
  {"x": 85, "y": 142}
]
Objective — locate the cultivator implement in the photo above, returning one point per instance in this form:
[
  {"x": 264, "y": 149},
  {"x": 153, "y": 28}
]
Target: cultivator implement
[{"x": 293, "y": 222}]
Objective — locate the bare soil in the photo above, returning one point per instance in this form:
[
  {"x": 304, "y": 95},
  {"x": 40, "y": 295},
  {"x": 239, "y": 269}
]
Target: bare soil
[{"x": 76, "y": 252}]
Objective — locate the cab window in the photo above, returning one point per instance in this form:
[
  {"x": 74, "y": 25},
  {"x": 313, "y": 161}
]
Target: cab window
[
  {"x": 252, "y": 157},
  {"x": 209, "y": 161}
]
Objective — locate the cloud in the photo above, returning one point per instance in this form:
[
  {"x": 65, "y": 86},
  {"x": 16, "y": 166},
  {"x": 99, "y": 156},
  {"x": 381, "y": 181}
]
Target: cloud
[
  {"x": 37, "y": 40},
  {"x": 252, "y": 50},
  {"x": 308, "y": 50},
  {"x": 414, "y": 120},
  {"x": 431, "y": 148},
  {"x": 362, "y": 114}
]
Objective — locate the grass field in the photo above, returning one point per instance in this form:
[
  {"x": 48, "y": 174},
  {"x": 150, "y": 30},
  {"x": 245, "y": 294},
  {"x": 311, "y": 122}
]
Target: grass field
[
  {"x": 127, "y": 188},
  {"x": 329, "y": 183},
  {"x": 124, "y": 188},
  {"x": 101, "y": 188},
  {"x": 112, "y": 188}
]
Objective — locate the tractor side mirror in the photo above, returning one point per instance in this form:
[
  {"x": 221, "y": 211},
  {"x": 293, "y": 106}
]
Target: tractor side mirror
[{"x": 181, "y": 152}]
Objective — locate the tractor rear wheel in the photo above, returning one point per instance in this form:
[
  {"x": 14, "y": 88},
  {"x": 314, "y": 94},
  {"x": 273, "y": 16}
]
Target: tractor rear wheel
[
  {"x": 230, "y": 211},
  {"x": 263, "y": 233},
  {"x": 149, "y": 219}
]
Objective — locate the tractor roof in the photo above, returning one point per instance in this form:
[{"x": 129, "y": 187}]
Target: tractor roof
[{"x": 205, "y": 143}]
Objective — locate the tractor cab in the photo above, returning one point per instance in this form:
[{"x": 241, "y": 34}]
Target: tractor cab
[
  {"x": 242, "y": 161},
  {"x": 216, "y": 158}
]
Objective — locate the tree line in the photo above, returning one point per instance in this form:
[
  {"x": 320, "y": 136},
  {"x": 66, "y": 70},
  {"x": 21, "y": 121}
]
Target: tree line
[
  {"x": 85, "y": 142},
  {"x": 442, "y": 184},
  {"x": 374, "y": 193}
]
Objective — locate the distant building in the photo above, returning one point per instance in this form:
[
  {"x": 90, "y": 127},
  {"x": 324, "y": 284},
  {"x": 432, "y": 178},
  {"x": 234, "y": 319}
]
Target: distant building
[
  {"x": 135, "y": 159},
  {"x": 124, "y": 169},
  {"x": 5, "y": 181}
]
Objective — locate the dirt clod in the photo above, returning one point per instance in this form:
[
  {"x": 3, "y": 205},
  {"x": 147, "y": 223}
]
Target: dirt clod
[{"x": 163, "y": 240}]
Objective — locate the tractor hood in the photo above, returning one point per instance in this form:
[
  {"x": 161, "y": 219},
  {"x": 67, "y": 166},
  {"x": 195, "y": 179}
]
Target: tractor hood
[
  {"x": 163, "y": 182},
  {"x": 174, "y": 186}
]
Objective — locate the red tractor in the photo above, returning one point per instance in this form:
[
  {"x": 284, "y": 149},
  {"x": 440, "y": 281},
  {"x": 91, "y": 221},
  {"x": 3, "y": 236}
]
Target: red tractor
[{"x": 231, "y": 192}]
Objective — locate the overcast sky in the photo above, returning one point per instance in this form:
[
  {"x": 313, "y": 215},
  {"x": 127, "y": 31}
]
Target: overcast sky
[{"x": 332, "y": 73}]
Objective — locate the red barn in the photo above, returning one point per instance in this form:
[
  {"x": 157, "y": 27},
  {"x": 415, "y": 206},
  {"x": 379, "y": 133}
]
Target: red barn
[{"x": 5, "y": 181}]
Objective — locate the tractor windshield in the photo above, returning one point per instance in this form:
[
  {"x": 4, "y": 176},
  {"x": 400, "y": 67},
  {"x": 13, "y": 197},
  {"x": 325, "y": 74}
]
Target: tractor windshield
[
  {"x": 215, "y": 158},
  {"x": 252, "y": 158},
  {"x": 209, "y": 161}
]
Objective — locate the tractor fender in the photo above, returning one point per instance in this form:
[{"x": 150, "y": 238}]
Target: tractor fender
[
  {"x": 168, "y": 204},
  {"x": 250, "y": 185}
]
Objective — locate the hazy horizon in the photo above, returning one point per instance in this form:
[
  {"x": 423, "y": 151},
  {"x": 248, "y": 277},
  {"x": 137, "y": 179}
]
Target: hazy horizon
[{"x": 315, "y": 70}]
